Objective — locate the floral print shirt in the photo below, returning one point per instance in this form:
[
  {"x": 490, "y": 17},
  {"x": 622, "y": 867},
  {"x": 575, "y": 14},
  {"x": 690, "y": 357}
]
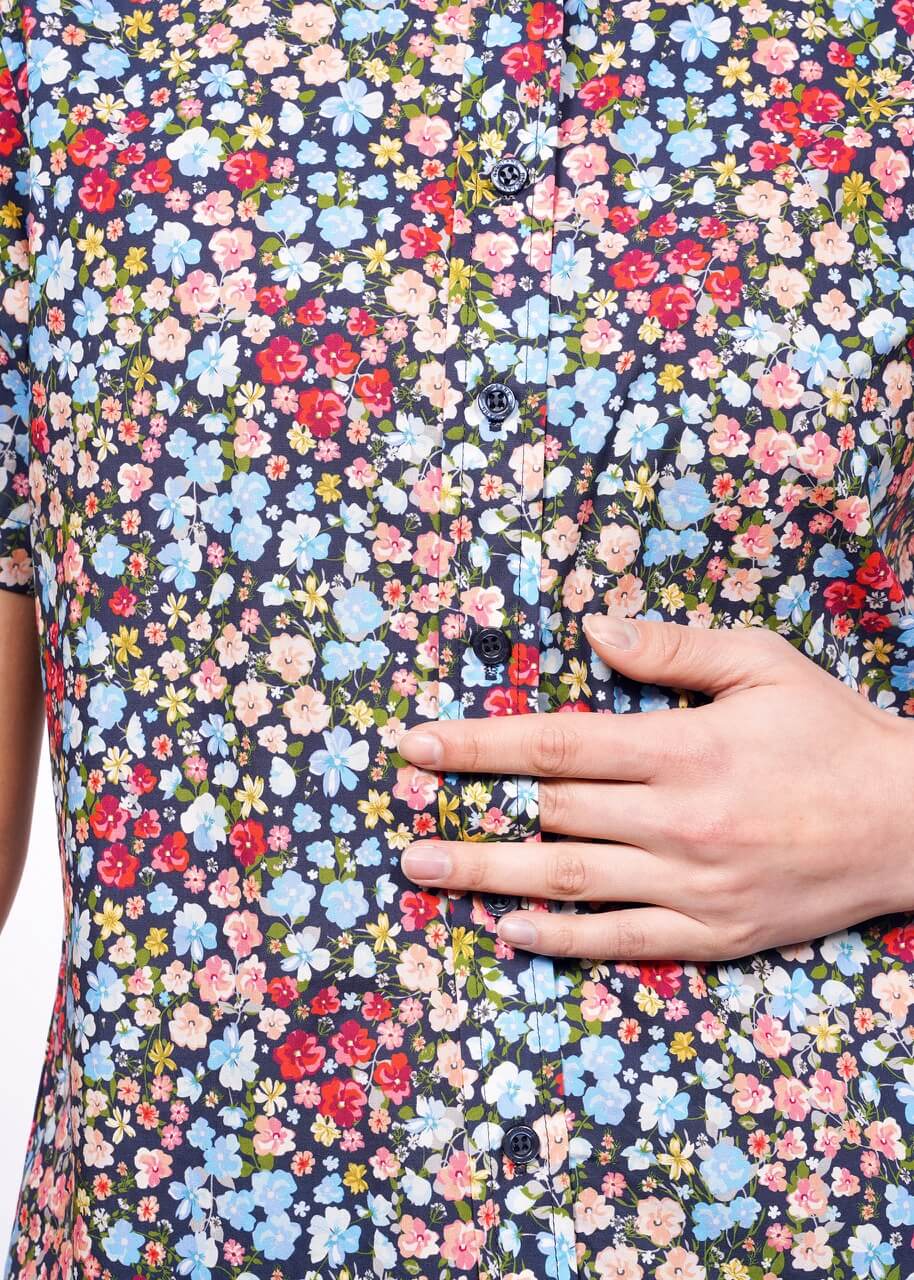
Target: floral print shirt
[{"x": 352, "y": 353}]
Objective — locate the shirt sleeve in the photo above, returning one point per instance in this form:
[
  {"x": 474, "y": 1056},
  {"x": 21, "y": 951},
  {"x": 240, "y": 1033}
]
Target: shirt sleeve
[{"x": 16, "y": 572}]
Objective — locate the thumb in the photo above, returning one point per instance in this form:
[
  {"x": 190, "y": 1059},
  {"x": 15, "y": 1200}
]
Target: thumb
[{"x": 682, "y": 657}]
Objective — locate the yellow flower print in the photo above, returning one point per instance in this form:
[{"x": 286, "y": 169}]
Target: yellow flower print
[
  {"x": 156, "y": 942},
  {"x": 160, "y": 1056},
  {"x": 387, "y": 150},
  {"x": 125, "y": 645},
  {"x": 174, "y": 702},
  {"x": 116, "y": 764},
  {"x": 91, "y": 243},
  {"x": 110, "y": 918},
  {"x": 384, "y": 933},
  {"x": 250, "y": 796},
  {"x": 676, "y": 1158},
  {"x": 376, "y": 807}
]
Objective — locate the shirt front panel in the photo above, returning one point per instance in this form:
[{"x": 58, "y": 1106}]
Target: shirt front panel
[{"x": 271, "y": 278}]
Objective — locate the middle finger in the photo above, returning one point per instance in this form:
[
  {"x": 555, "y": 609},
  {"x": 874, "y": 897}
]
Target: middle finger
[
  {"x": 627, "y": 813},
  {"x": 531, "y": 869},
  {"x": 629, "y": 748}
]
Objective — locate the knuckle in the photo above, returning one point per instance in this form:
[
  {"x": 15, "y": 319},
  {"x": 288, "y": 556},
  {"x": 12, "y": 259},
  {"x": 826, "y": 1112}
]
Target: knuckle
[
  {"x": 566, "y": 875},
  {"x": 672, "y": 642},
  {"x": 554, "y": 805},
  {"x": 741, "y": 937},
  {"x": 673, "y": 825},
  {"x": 473, "y": 870},
  {"x": 472, "y": 752},
  {"x": 720, "y": 886},
  {"x": 702, "y": 755},
  {"x": 769, "y": 643},
  {"x": 628, "y": 940},
  {"x": 550, "y": 749},
  {"x": 712, "y": 830},
  {"x": 562, "y": 940}
]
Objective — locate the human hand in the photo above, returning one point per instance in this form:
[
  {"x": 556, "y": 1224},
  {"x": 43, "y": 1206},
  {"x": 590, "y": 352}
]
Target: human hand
[{"x": 779, "y": 812}]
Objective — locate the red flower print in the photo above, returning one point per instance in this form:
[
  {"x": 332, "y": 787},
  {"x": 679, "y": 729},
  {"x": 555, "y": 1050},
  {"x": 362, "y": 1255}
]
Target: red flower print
[
  {"x": 312, "y": 312},
  {"x": 523, "y": 665},
  {"x": 394, "y": 1076},
  {"x": 118, "y": 867},
  {"x": 154, "y": 177},
  {"x": 98, "y": 191},
  {"x": 524, "y": 61},
  {"x": 335, "y": 356},
  {"x": 436, "y": 197},
  {"x": 282, "y": 991},
  {"x": 123, "y": 603},
  {"x": 376, "y": 1007},
  {"x": 840, "y": 597},
  {"x": 725, "y": 287},
  {"x": 361, "y": 323},
  {"x": 352, "y": 1044},
  {"x": 343, "y": 1101},
  {"x": 39, "y": 434},
  {"x": 321, "y": 412},
  {"x": 767, "y": 156},
  {"x": 135, "y": 121},
  {"x": 672, "y": 304},
  {"x": 600, "y": 92},
  {"x": 89, "y": 147},
  {"x": 418, "y": 242},
  {"x": 376, "y": 391},
  {"x": 172, "y": 854},
  {"x": 544, "y": 20},
  {"x": 142, "y": 779},
  {"x": 10, "y": 133},
  {"x": 900, "y": 942},
  {"x": 299, "y": 1055},
  {"x": 271, "y": 299},
  {"x": 507, "y": 702},
  {"x": 820, "y": 105},
  {"x": 282, "y": 360},
  {"x": 634, "y": 269},
  {"x": 418, "y": 908},
  {"x": 325, "y": 1002},
  {"x": 688, "y": 257},
  {"x": 832, "y": 154},
  {"x": 247, "y": 840},
  {"x": 665, "y": 979},
  {"x": 108, "y": 820},
  {"x": 877, "y": 574},
  {"x": 245, "y": 169}
]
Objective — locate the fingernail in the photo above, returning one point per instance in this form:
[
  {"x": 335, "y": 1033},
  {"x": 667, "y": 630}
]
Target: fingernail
[
  {"x": 425, "y": 862},
  {"x": 421, "y": 748},
  {"x": 614, "y": 631},
  {"x": 518, "y": 932}
]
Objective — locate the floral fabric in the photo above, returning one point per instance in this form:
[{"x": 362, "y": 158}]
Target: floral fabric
[{"x": 257, "y": 270}]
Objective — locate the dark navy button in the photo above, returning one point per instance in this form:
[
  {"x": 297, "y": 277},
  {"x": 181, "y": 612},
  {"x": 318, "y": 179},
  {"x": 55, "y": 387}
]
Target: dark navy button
[
  {"x": 521, "y": 1144},
  {"x": 491, "y": 646},
  {"x": 509, "y": 175},
  {"x": 498, "y": 904},
  {"x": 497, "y": 401}
]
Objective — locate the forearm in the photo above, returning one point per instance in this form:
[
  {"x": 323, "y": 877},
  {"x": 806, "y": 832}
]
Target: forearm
[{"x": 21, "y": 723}]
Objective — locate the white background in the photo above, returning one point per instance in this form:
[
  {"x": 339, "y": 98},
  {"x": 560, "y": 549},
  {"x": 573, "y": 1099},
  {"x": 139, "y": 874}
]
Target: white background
[{"x": 30, "y": 946}]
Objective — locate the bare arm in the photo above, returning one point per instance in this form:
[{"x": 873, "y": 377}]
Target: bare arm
[{"x": 21, "y": 725}]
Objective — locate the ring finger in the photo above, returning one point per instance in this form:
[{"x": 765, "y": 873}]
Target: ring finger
[{"x": 622, "y": 812}]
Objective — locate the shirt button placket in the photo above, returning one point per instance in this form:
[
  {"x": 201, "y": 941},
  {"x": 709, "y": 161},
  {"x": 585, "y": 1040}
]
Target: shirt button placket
[{"x": 493, "y": 456}]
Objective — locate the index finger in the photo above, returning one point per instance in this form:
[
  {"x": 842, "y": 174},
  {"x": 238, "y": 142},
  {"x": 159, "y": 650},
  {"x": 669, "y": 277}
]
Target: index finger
[{"x": 625, "y": 748}]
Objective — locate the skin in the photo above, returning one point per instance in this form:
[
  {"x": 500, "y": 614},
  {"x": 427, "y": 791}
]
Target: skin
[
  {"x": 779, "y": 812},
  {"x": 21, "y": 729}
]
